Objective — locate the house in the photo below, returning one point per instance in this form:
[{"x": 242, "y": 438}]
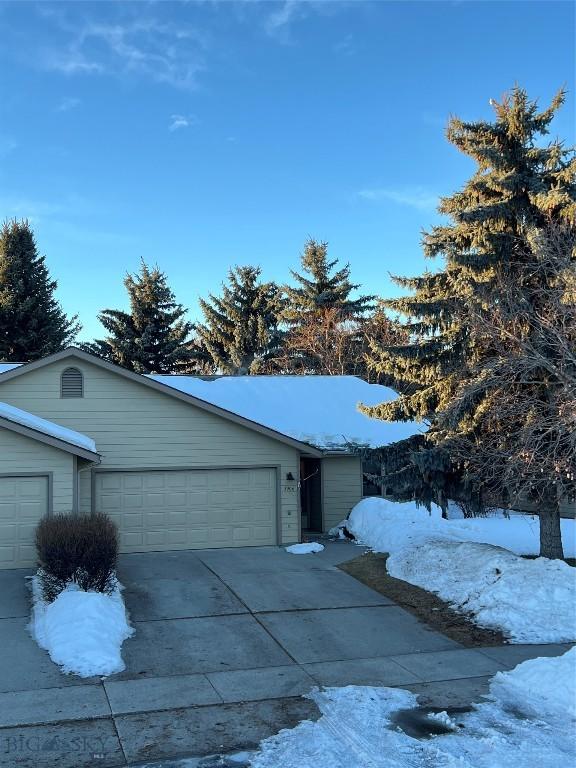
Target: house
[{"x": 179, "y": 462}]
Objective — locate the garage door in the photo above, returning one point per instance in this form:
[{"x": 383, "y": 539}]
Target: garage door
[
  {"x": 23, "y": 501},
  {"x": 191, "y": 509}
]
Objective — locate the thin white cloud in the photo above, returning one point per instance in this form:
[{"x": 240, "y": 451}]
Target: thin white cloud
[
  {"x": 161, "y": 51},
  {"x": 279, "y": 23},
  {"x": 32, "y": 210},
  {"x": 346, "y": 46},
  {"x": 282, "y": 17},
  {"x": 181, "y": 121},
  {"x": 413, "y": 197},
  {"x": 68, "y": 103}
]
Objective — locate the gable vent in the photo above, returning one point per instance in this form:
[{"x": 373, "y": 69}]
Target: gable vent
[{"x": 72, "y": 383}]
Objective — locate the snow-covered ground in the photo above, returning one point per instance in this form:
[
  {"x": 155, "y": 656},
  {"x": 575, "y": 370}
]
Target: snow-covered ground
[
  {"x": 387, "y": 526},
  {"x": 82, "y": 631},
  {"x": 305, "y": 549},
  {"x": 476, "y": 567},
  {"x": 527, "y": 720},
  {"x": 530, "y": 601}
]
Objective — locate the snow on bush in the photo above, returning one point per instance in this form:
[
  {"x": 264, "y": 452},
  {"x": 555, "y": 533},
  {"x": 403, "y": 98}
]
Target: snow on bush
[
  {"x": 357, "y": 728},
  {"x": 305, "y": 549},
  {"x": 82, "y": 631},
  {"x": 530, "y": 601}
]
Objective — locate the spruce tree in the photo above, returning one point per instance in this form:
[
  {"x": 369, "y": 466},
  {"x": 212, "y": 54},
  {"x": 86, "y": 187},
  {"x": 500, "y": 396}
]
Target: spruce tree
[
  {"x": 321, "y": 288},
  {"x": 240, "y": 330},
  {"x": 153, "y": 337},
  {"x": 323, "y": 320},
  {"x": 520, "y": 184},
  {"x": 32, "y": 322}
]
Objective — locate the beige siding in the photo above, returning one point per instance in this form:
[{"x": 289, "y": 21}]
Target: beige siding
[
  {"x": 136, "y": 427},
  {"x": 84, "y": 486},
  {"x": 341, "y": 488},
  {"x": 20, "y": 454}
]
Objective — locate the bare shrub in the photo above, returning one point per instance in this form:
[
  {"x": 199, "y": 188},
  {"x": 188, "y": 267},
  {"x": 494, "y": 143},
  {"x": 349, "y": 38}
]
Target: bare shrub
[{"x": 81, "y": 549}]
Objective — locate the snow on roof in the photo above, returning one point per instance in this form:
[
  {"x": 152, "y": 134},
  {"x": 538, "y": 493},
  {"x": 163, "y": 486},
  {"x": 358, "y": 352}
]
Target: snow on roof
[
  {"x": 8, "y": 366},
  {"x": 319, "y": 410},
  {"x": 26, "y": 419}
]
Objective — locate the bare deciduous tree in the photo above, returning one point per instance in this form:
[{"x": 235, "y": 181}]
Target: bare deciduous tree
[{"x": 331, "y": 343}]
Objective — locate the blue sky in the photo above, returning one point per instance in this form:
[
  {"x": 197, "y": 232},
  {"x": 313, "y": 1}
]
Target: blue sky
[{"x": 198, "y": 135}]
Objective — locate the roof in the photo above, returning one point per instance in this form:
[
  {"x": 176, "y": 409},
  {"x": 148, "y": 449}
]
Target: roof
[
  {"x": 314, "y": 414},
  {"x": 15, "y": 370},
  {"x": 319, "y": 410},
  {"x": 8, "y": 413}
]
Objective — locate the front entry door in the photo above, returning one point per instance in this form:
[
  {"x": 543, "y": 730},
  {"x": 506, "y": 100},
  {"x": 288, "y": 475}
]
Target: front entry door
[{"x": 311, "y": 494}]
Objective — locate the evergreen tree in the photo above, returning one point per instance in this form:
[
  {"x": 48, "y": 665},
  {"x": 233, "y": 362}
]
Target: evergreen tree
[
  {"x": 32, "y": 322},
  {"x": 521, "y": 445},
  {"x": 240, "y": 330},
  {"x": 321, "y": 288},
  {"x": 324, "y": 335},
  {"x": 153, "y": 337},
  {"x": 519, "y": 184}
]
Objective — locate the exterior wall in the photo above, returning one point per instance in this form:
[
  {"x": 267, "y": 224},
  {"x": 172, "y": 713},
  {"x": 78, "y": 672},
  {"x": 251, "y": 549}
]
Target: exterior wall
[
  {"x": 137, "y": 428},
  {"x": 20, "y": 454},
  {"x": 567, "y": 507},
  {"x": 341, "y": 487}
]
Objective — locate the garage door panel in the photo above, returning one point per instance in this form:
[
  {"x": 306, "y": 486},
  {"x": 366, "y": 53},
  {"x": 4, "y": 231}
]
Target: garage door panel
[
  {"x": 23, "y": 502},
  {"x": 32, "y": 510},
  {"x": 131, "y": 500},
  {"x": 198, "y": 497},
  {"x": 198, "y": 538},
  {"x": 7, "y": 556},
  {"x": 154, "y": 481},
  {"x": 198, "y": 517},
  {"x": 110, "y": 502},
  {"x": 131, "y": 541},
  {"x": 190, "y": 509},
  {"x": 176, "y": 499},
  {"x": 8, "y": 510},
  {"x": 111, "y": 482},
  {"x": 240, "y": 498}
]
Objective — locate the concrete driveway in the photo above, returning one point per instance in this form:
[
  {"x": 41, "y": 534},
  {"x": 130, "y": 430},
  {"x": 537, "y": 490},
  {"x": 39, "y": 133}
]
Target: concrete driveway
[{"x": 226, "y": 644}]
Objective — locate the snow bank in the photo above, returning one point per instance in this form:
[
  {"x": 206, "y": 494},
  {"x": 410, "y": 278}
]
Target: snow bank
[
  {"x": 305, "y": 549},
  {"x": 357, "y": 729},
  {"x": 19, "y": 416},
  {"x": 82, "y": 631},
  {"x": 321, "y": 410},
  {"x": 530, "y": 601},
  {"x": 387, "y": 526},
  {"x": 540, "y": 687}
]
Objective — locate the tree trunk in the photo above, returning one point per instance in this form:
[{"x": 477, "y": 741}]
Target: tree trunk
[{"x": 550, "y": 535}]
